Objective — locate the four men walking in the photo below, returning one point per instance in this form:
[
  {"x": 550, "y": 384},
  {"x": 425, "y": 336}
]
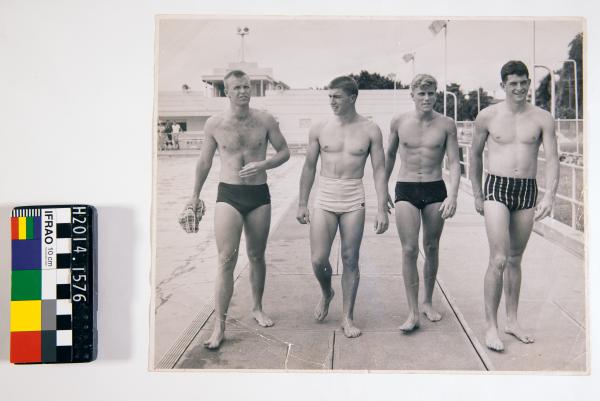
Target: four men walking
[{"x": 513, "y": 131}]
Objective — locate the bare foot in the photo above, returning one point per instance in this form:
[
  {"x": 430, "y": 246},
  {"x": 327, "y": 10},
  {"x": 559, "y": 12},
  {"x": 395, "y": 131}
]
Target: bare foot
[
  {"x": 516, "y": 330},
  {"x": 492, "y": 340},
  {"x": 411, "y": 323},
  {"x": 262, "y": 319},
  {"x": 431, "y": 313},
  {"x": 323, "y": 306},
  {"x": 350, "y": 330},
  {"x": 216, "y": 337}
]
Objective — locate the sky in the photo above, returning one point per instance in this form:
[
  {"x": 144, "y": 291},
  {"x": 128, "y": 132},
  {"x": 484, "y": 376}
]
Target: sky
[{"x": 309, "y": 52}]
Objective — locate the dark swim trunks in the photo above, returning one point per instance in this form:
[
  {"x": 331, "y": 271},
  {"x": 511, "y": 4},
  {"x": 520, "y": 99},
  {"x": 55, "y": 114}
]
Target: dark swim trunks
[
  {"x": 514, "y": 193},
  {"x": 421, "y": 194},
  {"x": 244, "y": 198}
]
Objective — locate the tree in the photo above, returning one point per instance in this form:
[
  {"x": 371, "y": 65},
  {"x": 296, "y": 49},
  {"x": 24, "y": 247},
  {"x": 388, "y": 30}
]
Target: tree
[
  {"x": 543, "y": 94},
  {"x": 367, "y": 80},
  {"x": 564, "y": 86},
  {"x": 565, "y": 91},
  {"x": 467, "y": 103}
]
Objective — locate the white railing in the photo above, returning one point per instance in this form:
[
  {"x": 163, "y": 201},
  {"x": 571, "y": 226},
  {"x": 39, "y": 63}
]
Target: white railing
[{"x": 570, "y": 179}]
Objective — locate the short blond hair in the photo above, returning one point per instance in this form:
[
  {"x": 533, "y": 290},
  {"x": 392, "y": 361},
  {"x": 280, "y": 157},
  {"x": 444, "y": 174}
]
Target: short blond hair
[{"x": 423, "y": 80}]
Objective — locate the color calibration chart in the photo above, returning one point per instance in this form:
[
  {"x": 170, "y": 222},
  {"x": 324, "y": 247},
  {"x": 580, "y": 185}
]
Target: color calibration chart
[{"x": 53, "y": 297}]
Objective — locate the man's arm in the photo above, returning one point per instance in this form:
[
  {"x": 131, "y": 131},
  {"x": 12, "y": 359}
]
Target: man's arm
[
  {"x": 282, "y": 154},
  {"x": 552, "y": 167},
  {"x": 209, "y": 146},
  {"x": 307, "y": 177},
  {"x": 476, "y": 159},
  {"x": 448, "y": 207},
  {"x": 390, "y": 155},
  {"x": 392, "y": 148},
  {"x": 380, "y": 177}
]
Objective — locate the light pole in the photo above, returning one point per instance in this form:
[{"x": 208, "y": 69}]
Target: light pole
[
  {"x": 392, "y": 76},
  {"x": 576, "y": 102},
  {"x": 552, "y": 88},
  {"x": 243, "y": 32},
  {"x": 435, "y": 27}
]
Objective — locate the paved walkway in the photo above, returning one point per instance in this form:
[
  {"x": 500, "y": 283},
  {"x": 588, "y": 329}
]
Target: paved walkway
[{"x": 552, "y": 307}]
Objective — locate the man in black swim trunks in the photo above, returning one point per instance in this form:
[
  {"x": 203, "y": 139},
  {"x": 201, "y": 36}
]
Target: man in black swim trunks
[
  {"x": 513, "y": 131},
  {"x": 421, "y": 137},
  {"x": 243, "y": 202}
]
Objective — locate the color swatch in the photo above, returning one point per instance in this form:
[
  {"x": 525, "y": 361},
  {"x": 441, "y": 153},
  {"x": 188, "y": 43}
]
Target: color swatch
[{"x": 52, "y": 309}]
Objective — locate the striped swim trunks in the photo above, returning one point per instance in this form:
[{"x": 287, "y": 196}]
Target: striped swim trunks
[{"x": 514, "y": 193}]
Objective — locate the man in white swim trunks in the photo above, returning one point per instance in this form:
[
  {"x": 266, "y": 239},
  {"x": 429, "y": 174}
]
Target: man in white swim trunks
[{"x": 344, "y": 141}]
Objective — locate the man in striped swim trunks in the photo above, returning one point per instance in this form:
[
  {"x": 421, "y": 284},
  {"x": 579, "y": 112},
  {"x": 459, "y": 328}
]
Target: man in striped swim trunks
[
  {"x": 513, "y": 131},
  {"x": 344, "y": 141}
]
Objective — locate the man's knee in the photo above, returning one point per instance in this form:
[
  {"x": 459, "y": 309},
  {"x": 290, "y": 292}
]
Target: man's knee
[
  {"x": 256, "y": 256},
  {"x": 410, "y": 251},
  {"x": 350, "y": 260},
  {"x": 227, "y": 258},
  {"x": 498, "y": 262},
  {"x": 431, "y": 247},
  {"x": 320, "y": 262}
]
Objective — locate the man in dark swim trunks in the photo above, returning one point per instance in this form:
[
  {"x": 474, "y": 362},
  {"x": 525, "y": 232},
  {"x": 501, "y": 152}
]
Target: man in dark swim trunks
[
  {"x": 243, "y": 202},
  {"x": 513, "y": 131},
  {"x": 421, "y": 137}
]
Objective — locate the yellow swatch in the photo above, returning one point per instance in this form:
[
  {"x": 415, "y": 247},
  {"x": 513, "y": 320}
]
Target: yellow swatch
[
  {"x": 22, "y": 227},
  {"x": 25, "y": 316}
]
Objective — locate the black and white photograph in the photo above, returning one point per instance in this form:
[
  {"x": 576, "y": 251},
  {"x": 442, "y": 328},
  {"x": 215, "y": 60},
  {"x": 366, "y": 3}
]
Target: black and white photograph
[{"x": 369, "y": 194}]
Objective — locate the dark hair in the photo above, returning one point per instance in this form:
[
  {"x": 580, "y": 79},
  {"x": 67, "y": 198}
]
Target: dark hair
[
  {"x": 234, "y": 73},
  {"x": 513, "y": 67},
  {"x": 345, "y": 83}
]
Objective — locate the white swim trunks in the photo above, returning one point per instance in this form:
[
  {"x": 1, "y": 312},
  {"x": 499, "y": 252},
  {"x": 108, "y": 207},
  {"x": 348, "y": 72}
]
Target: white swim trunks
[{"x": 340, "y": 195}]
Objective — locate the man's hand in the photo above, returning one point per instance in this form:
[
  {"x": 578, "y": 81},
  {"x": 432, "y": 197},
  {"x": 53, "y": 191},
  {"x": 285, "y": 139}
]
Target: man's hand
[
  {"x": 390, "y": 203},
  {"x": 448, "y": 207},
  {"x": 479, "y": 204},
  {"x": 193, "y": 203},
  {"x": 381, "y": 223},
  {"x": 303, "y": 216},
  {"x": 251, "y": 169},
  {"x": 544, "y": 208}
]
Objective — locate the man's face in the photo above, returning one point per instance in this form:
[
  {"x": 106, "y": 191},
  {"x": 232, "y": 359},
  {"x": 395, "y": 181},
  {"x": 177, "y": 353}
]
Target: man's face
[
  {"x": 238, "y": 89},
  {"x": 516, "y": 87},
  {"x": 340, "y": 101},
  {"x": 424, "y": 97}
]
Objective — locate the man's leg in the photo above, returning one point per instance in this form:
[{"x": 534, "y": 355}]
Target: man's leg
[
  {"x": 323, "y": 226},
  {"x": 351, "y": 232},
  {"x": 497, "y": 219},
  {"x": 408, "y": 223},
  {"x": 256, "y": 231},
  {"x": 433, "y": 225},
  {"x": 228, "y": 230},
  {"x": 521, "y": 224}
]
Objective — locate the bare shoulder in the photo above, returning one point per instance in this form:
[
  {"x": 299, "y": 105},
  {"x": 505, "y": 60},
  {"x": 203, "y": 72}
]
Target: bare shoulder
[
  {"x": 369, "y": 126},
  {"x": 543, "y": 116},
  {"x": 485, "y": 115},
  {"x": 318, "y": 126},
  {"x": 446, "y": 121},
  {"x": 264, "y": 117},
  {"x": 213, "y": 122}
]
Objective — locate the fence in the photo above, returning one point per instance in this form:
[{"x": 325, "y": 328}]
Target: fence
[{"x": 568, "y": 207}]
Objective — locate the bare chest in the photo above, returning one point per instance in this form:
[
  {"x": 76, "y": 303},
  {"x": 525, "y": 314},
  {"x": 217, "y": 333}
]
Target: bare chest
[
  {"x": 353, "y": 142},
  {"x": 413, "y": 135},
  {"x": 241, "y": 137},
  {"x": 514, "y": 130}
]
